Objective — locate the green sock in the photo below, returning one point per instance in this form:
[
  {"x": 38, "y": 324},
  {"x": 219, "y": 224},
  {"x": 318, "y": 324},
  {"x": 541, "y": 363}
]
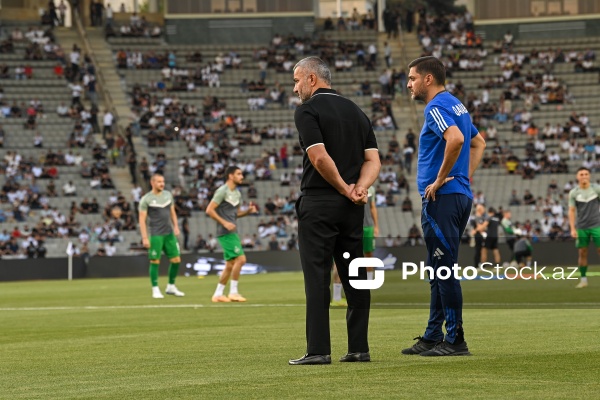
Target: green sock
[
  {"x": 173, "y": 270},
  {"x": 583, "y": 271},
  {"x": 154, "y": 274}
]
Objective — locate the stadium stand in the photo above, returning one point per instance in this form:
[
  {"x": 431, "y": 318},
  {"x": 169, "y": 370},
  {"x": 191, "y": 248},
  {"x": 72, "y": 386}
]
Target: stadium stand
[
  {"x": 56, "y": 183},
  {"x": 535, "y": 103},
  {"x": 246, "y": 118},
  {"x": 199, "y": 108}
]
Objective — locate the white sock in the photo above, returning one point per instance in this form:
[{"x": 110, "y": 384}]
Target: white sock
[
  {"x": 155, "y": 289},
  {"x": 370, "y": 274},
  {"x": 233, "y": 287},
  {"x": 584, "y": 279},
  {"x": 219, "y": 291},
  {"x": 337, "y": 291}
]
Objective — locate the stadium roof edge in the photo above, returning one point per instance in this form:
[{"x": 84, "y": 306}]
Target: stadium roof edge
[
  {"x": 240, "y": 15},
  {"x": 498, "y": 21}
]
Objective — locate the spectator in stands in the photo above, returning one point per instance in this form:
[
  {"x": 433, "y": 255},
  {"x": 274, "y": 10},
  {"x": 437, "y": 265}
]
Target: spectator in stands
[
  {"x": 38, "y": 140},
  {"x": 62, "y": 110},
  {"x": 528, "y": 198},
  {"x": 107, "y": 120},
  {"x": 69, "y": 189},
  {"x": 101, "y": 251},
  {"x": 273, "y": 243},
  {"x": 51, "y": 189},
  {"x": 414, "y": 236},
  {"x": 252, "y": 192},
  {"x": 407, "y": 205},
  {"x": 212, "y": 243},
  {"x": 285, "y": 179},
  {"x": 270, "y": 207},
  {"x": 200, "y": 244},
  {"x": 76, "y": 90},
  {"x": 514, "y": 199}
]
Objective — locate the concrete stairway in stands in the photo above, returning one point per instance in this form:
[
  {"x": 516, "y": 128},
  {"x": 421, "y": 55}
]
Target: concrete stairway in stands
[
  {"x": 115, "y": 86},
  {"x": 116, "y": 90},
  {"x": 403, "y": 107}
]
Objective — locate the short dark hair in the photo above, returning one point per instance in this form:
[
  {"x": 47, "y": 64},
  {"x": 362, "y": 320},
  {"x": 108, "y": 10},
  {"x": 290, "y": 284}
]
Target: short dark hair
[
  {"x": 231, "y": 170},
  {"x": 430, "y": 65},
  {"x": 583, "y": 169}
]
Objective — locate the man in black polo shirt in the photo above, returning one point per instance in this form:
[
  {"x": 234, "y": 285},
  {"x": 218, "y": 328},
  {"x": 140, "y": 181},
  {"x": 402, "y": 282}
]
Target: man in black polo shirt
[{"x": 341, "y": 162}]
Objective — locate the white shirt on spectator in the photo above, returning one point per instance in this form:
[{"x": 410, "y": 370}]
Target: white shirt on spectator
[
  {"x": 108, "y": 119},
  {"x": 75, "y": 57},
  {"x": 110, "y": 249},
  {"x": 136, "y": 193}
]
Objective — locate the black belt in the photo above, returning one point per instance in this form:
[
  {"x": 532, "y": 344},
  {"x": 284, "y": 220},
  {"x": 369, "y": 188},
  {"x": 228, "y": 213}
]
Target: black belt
[{"x": 320, "y": 192}]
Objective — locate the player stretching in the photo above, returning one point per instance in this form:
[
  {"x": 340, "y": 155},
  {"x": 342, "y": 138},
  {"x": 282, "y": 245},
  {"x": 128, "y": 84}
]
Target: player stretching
[
  {"x": 223, "y": 208},
  {"x": 584, "y": 201},
  {"x": 158, "y": 204}
]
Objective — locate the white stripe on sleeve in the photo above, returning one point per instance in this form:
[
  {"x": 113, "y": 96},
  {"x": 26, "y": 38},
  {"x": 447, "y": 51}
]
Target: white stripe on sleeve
[
  {"x": 442, "y": 125},
  {"x": 441, "y": 118},
  {"x": 437, "y": 121},
  {"x": 313, "y": 145}
]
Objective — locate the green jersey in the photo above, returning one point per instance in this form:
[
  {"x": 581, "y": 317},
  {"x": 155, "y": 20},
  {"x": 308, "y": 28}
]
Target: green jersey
[
  {"x": 228, "y": 202},
  {"x": 158, "y": 207},
  {"x": 587, "y": 204},
  {"x": 508, "y": 228},
  {"x": 368, "y": 219}
]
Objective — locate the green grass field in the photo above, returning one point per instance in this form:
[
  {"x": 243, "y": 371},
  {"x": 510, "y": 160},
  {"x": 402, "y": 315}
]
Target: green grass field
[{"x": 108, "y": 339}]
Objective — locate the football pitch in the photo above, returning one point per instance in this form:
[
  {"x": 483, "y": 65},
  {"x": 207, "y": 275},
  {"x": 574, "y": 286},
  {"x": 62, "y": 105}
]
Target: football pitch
[{"x": 108, "y": 339}]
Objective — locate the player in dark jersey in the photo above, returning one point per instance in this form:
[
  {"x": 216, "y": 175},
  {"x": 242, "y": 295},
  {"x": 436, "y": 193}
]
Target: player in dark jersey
[{"x": 491, "y": 240}]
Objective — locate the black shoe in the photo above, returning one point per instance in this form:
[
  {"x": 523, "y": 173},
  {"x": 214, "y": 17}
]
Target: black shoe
[
  {"x": 419, "y": 347},
  {"x": 312, "y": 360},
  {"x": 356, "y": 357},
  {"x": 448, "y": 349}
]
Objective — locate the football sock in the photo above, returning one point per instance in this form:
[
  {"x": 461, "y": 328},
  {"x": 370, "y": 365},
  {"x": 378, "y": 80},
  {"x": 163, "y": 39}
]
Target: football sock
[
  {"x": 583, "y": 271},
  {"x": 233, "y": 287},
  {"x": 219, "y": 291},
  {"x": 173, "y": 270},
  {"x": 337, "y": 291},
  {"x": 370, "y": 275},
  {"x": 154, "y": 274}
]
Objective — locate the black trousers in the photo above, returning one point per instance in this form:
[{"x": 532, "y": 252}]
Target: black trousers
[{"x": 329, "y": 226}]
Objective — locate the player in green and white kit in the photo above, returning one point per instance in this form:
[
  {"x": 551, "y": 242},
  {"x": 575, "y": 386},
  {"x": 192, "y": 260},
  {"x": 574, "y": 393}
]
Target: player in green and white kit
[
  {"x": 584, "y": 201},
  {"x": 370, "y": 232},
  {"x": 370, "y": 228},
  {"x": 158, "y": 204},
  {"x": 223, "y": 208}
]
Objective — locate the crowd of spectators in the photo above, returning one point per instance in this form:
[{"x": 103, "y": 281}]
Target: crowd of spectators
[
  {"x": 25, "y": 199},
  {"x": 526, "y": 83},
  {"x": 137, "y": 27}
]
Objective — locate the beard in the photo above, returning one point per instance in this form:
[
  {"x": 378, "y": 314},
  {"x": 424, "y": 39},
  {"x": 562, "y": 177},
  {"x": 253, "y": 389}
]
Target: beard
[
  {"x": 418, "y": 95},
  {"x": 304, "y": 97}
]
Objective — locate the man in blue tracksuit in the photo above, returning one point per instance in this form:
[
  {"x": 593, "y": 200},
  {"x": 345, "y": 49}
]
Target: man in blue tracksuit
[{"x": 450, "y": 149}]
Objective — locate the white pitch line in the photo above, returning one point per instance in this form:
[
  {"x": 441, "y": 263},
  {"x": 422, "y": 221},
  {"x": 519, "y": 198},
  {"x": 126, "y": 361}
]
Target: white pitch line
[
  {"x": 140, "y": 306},
  {"x": 373, "y": 305}
]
